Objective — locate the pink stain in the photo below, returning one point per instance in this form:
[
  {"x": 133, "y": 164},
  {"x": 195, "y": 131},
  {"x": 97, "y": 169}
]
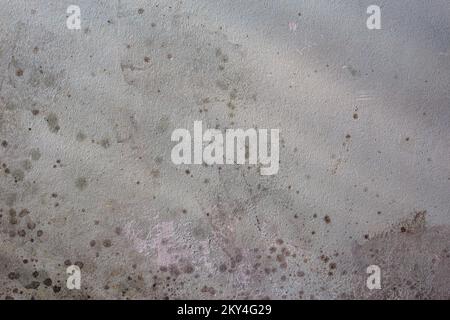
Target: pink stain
[
  {"x": 164, "y": 242},
  {"x": 292, "y": 26}
]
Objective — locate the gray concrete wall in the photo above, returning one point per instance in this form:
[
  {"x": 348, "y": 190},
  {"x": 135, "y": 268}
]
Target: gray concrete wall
[{"x": 86, "y": 118}]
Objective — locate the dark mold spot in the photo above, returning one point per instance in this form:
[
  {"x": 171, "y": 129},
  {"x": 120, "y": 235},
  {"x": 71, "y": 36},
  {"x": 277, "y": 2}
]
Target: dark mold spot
[
  {"x": 48, "y": 282},
  {"x": 105, "y": 143},
  {"x": 81, "y": 183},
  {"x": 80, "y": 136},
  {"x": 13, "y": 275},
  {"x": 107, "y": 243},
  {"x": 223, "y": 267},
  {"x": 33, "y": 285},
  {"x": 52, "y": 122},
  {"x": 18, "y": 175}
]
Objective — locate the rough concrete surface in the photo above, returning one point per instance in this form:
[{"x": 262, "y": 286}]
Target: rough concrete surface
[{"x": 86, "y": 177}]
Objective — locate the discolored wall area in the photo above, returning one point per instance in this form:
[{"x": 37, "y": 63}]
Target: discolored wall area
[{"x": 86, "y": 179}]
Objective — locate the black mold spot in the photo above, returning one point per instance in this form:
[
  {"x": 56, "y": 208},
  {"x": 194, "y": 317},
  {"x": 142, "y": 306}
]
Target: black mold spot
[
  {"x": 48, "y": 282},
  {"x": 13, "y": 275},
  {"x": 107, "y": 243}
]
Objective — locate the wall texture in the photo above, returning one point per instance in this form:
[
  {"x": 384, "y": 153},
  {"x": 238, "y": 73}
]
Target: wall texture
[{"x": 86, "y": 176}]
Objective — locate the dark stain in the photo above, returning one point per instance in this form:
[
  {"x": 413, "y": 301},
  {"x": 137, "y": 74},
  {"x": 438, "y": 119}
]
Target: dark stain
[
  {"x": 35, "y": 154},
  {"x": 80, "y": 136},
  {"x": 18, "y": 175},
  {"x": 107, "y": 243},
  {"x": 81, "y": 183},
  {"x": 33, "y": 285},
  {"x": 53, "y": 123},
  {"x": 353, "y": 71},
  {"x": 222, "y": 85},
  {"x": 48, "y": 282},
  {"x": 13, "y": 275},
  {"x": 105, "y": 143}
]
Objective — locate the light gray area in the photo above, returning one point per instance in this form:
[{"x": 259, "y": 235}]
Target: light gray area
[{"x": 85, "y": 123}]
